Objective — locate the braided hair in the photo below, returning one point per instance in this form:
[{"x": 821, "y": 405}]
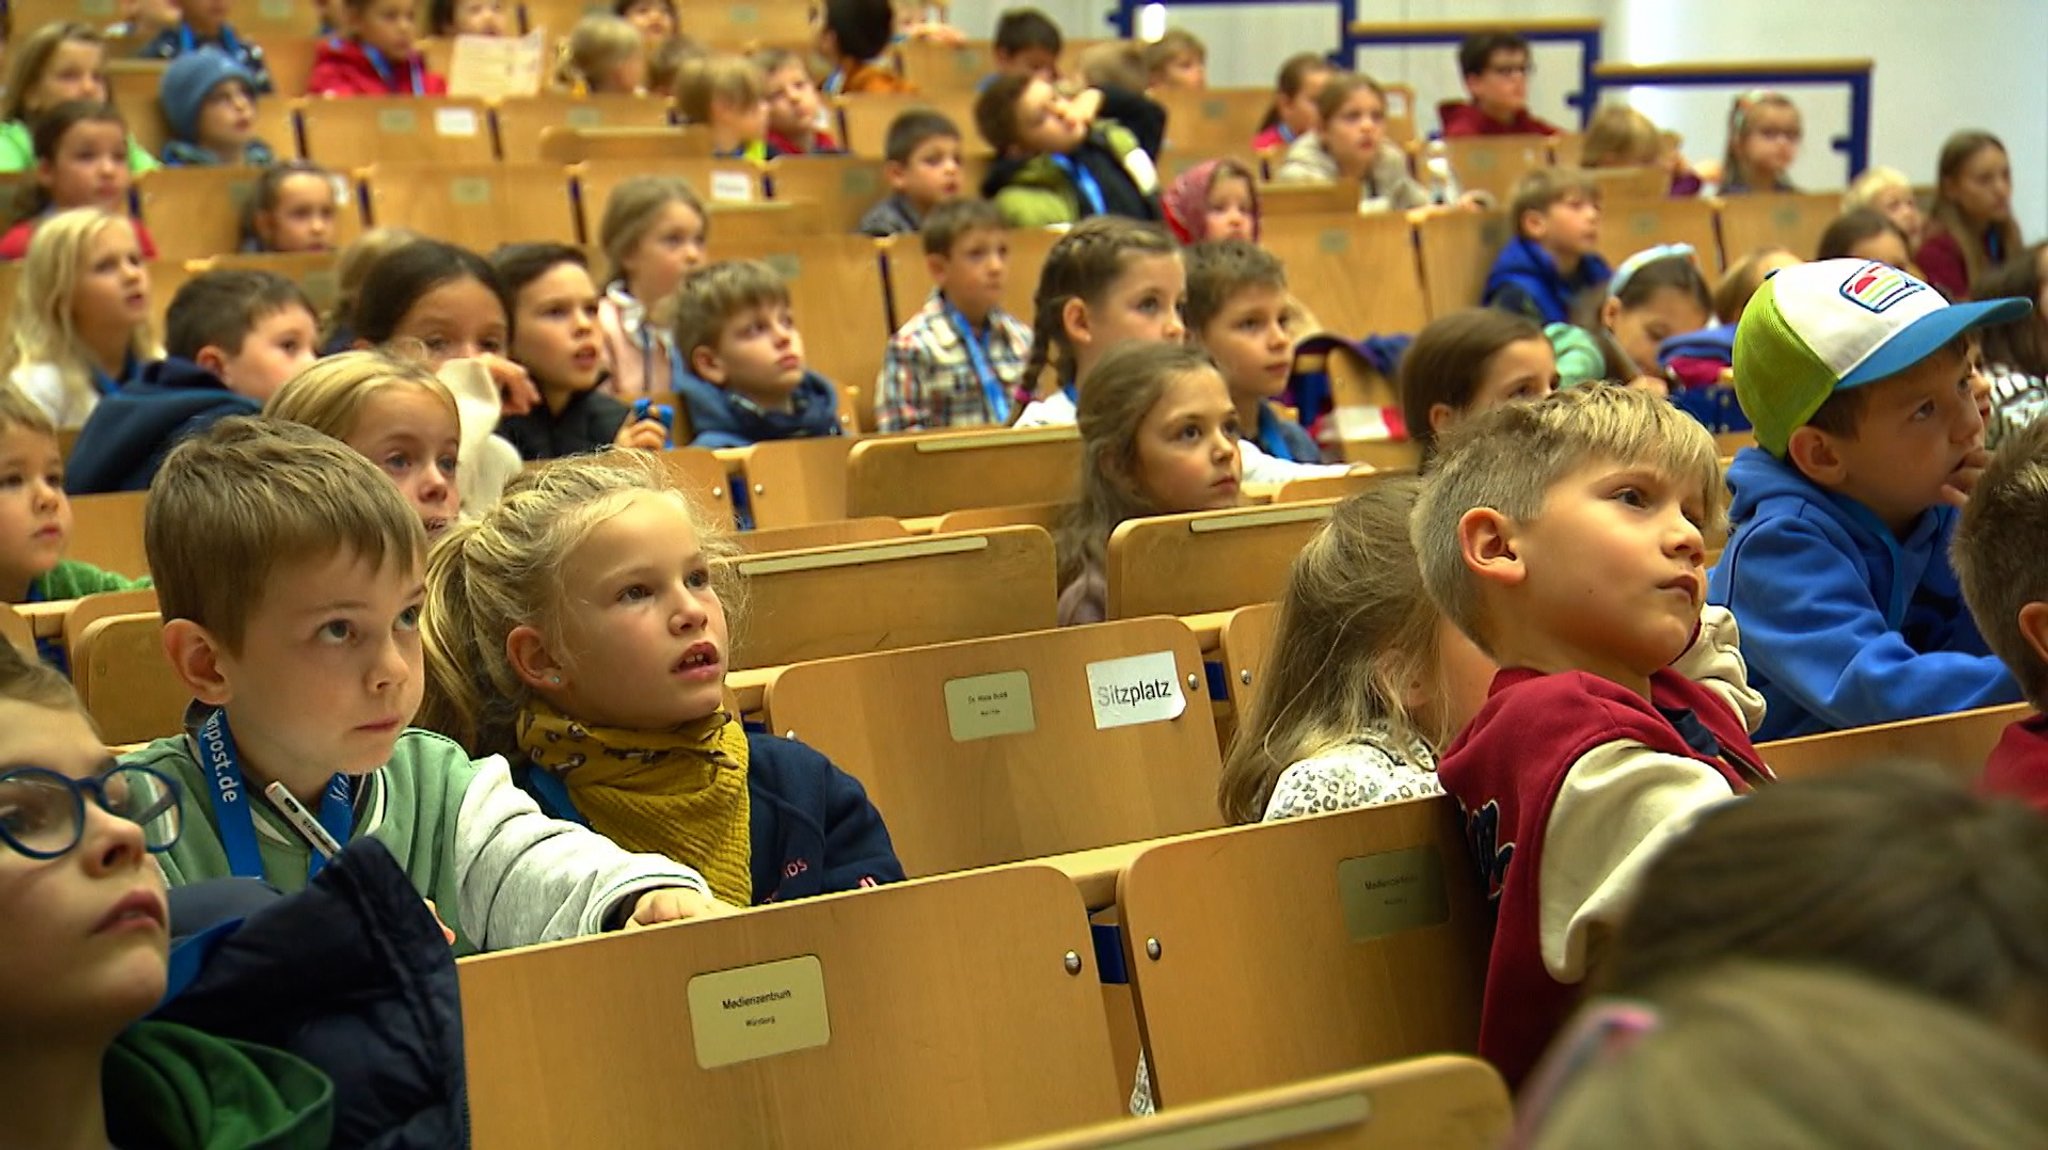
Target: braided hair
[{"x": 1082, "y": 265}]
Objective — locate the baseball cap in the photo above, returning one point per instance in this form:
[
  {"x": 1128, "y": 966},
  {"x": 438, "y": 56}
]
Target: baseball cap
[{"x": 1823, "y": 327}]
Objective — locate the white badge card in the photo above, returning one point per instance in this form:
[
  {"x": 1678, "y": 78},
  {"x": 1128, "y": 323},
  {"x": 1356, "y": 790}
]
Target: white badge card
[
  {"x": 759, "y": 1011},
  {"x": 1137, "y": 689},
  {"x": 985, "y": 706},
  {"x": 730, "y": 187}
]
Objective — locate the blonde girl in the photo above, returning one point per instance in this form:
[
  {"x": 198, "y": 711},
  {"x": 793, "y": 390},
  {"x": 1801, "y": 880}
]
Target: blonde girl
[
  {"x": 1108, "y": 281},
  {"x": 1621, "y": 137},
  {"x": 392, "y": 412},
  {"x": 1764, "y": 132},
  {"x": 1295, "y": 89},
  {"x": 603, "y": 54},
  {"x": 579, "y": 627},
  {"x": 1889, "y": 193},
  {"x": 81, "y": 314},
  {"x": 653, "y": 234},
  {"x": 54, "y": 64},
  {"x": 1970, "y": 231},
  {"x": 1159, "y": 436}
]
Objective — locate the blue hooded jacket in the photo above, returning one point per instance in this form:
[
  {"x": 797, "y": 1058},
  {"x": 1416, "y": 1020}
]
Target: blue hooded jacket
[
  {"x": 1843, "y": 623},
  {"x": 1525, "y": 280},
  {"x": 717, "y": 421},
  {"x": 130, "y": 431}
]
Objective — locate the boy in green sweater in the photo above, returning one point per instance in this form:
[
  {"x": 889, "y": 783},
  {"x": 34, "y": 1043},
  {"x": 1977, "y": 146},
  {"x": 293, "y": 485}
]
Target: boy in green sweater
[{"x": 289, "y": 569}]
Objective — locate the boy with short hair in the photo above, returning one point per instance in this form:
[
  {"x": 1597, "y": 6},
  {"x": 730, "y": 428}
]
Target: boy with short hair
[
  {"x": 922, "y": 163},
  {"x": 1566, "y": 537},
  {"x": 957, "y": 361},
  {"x": 289, "y": 571},
  {"x": 205, "y": 27},
  {"x": 1178, "y": 59},
  {"x": 1027, "y": 43},
  {"x": 2001, "y": 556},
  {"x": 1057, "y": 161},
  {"x": 1858, "y": 381},
  {"x": 232, "y": 337},
  {"x": 1554, "y": 255},
  {"x": 1240, "y": 313},
  {"x": 1496, "y": 70},
  {"x": 852, "y": 34},
  {"x": 727, "y": 94},
  {"x": 209, "y": 104},
  {"x": 744, "y": 378},
  {"x": 794, "y": 114}
]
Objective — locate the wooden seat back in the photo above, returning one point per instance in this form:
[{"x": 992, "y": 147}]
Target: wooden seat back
[
  {"x": 523, "y": 120},
  {"x": 1246, "y": 639},
  {"x": 1457, "y": 249},
  {"x": 124, "y": 680},
  {"x": 1627, "y": 228},
  {"x": 478, "y": 205},
  {"x": 1957, "y": 743},
  {"x": 1790, "y": 220},
  {"x": 913, "y": 475},
  {"x": 106, "y": 531},
  {"x": 873, "y": 529},
  {"x": 344, "y": 134},
  {"x": 1207, "y": 560},
  {"x": 1357, "y": 273},
  {"x": 794, "y": 482}
]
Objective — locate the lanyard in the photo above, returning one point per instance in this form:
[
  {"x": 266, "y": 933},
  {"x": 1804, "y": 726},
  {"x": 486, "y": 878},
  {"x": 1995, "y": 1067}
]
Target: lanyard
[
  {"x": 187, "y": 43},
  {"x": 231, "y": 802},
  {"x": 834, "y": 83},
  {"x": 977, "y": 355},
  {"x": 382, "y": 67},
  {"x": 1270, "y": 440},
  {"x": 1084, "y": 183},
  {"x": 107, "y": 385}
]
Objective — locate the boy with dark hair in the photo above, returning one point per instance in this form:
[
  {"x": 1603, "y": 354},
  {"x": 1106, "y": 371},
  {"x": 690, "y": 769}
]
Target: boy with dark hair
[
  {"x": 1027, "y": 43},
  {"x": 1554, "y": 255},
  {"x": 232, "y": 337},
  {"x": 1239, "y": 311},
  {"x": 2001, "y": 556},
  {"x": 1060, "y": 159},
  {"x": 205, "y": 26},
  {"x": 922, "y": 162},
  {"x": 1496, "y": 70},
  {"x": 852, "y": 34},
  {"x": 1858, "y": 381},
  {"x": 744, "y": 379},
  {"x": 958, "y": 360}
]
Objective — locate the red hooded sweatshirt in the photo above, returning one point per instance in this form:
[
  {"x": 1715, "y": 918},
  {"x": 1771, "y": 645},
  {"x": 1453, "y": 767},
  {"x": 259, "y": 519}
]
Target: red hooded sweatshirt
[{"x": 345, "y": 67}]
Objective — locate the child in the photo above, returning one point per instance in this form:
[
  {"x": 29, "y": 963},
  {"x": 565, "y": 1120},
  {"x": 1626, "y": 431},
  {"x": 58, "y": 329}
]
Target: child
[
  {"x": 1177, "y": 60},
  {"x": 1214, "y": 200},
  {"x": 1857, "y": 378},
  {"x": 55, "y": 64},
  {"x": 291, "y": 208},
  {"x": 1888, "y": 192},
  {"x": 2016, "y": 355},
  {"x": 1971, "y": 229},
  {"x": 351, "y": 267},
  {"x": 1763, "y": 141},
  {"x": 1655, "y": 295},
  {"x": 1349, "y": 143},
  {"x": 727, "y": 95},
  {"x": 1108, "y": 281},
  {"x": 38, "y": 515},
  {"x": 1055, "y": 162},
  {"x": 289, "y": 572},
  {"x": 665, "y": 64},
  {"x": 209, "y": 103},
  {"x": 745, "y": 380},
  {"x": 374, "y": 54},
  {"x": 1468, "y": 362},
  {"x": 78, "y": 165},
  {"x": 1295, "y": 93},
  {"x": 793, "y": 111},
  {"x": 1621, "y": 137},
  {"x": 1239, "y": 313},
  {"x": 441, "y": 303},
  {"x": 2006, "y": 585},
  {"x": 552, "y": 304},
  {"x": 1554, "y": 255},
  {"x": 1738, "y": 285},
  {"x": 579, "y": 627},
  {"x": 1496, "y": 69},
  {"x": 958, "y": 360},
  {"x": 603, "y": 55},
  {"x": 653, "y": 234},
  {"x": 142, "y": 20},
  {"x": 449, "y": 18},
  {"x": 204, "y": 28},
  {"x": 1865, "y": 234},
  {"x": 1159, "y": 436},
  {"x": 1028, "y": 43},
  {"x": 1566, "y": 538},
  {"x": 922, "y": 164},
  {"x": 86, "y": 956},
  {"x": 395, "y": 414},
  {"x": 233, "y": 337},
  {"x": 656, "y": 20},
  {"x": 852, "y": 34},
  {"x": 81, "y": 315}
]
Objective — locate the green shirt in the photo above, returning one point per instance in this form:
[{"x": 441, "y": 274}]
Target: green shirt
[
  {"x": 70, "y": 579},
  {"x": 169, "y": 1085},
  {"x": 18, "y": 150}
]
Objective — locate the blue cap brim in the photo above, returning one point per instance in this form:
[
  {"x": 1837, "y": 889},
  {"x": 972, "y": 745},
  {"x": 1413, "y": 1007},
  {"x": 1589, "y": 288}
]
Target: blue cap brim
[{"x": 1931, "y": 333}]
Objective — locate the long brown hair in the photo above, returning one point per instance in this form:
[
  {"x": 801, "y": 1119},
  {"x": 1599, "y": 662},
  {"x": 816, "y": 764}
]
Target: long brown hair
[
  {"x": 2022, "y": 344},
  {"x": 1956, "y": 151},
  {"x": 1083, "y": 265},
  {"x": 1445, "y": 362}
]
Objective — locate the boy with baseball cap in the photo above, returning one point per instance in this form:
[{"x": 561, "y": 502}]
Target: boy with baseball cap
[{"x": 1859, "y": 382}]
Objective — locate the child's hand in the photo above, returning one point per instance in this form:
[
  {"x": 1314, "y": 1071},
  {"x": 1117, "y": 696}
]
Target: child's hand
[
  {"x": 436, "y": 912},
  {"x": 516, "y": 393},
  {"x": 1085, "y": 105},
  {"x": 674, "y": 904},
  {"x": 645, "y": 434},
  {"x": 1963, "y": 480}
]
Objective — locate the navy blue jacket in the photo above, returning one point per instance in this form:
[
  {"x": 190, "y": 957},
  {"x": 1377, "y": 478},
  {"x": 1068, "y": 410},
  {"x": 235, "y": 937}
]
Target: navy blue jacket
[
  {"x": 351, "y": 974},
  {"x": 1525, "y": 280},
  {"x": 130, "y": 431},
  {"x": 813, "y": 830},
  {"x": 717, "y": 420},
  {"x": 588, "y": 422}
]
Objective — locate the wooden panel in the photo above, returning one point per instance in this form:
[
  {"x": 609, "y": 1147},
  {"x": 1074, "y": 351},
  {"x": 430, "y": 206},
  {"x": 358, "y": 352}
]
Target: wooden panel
[
  {"x": 196, "y": 213},
  {"x": 1046, "y": 515},
  {"x": 1213, "y": 121},
  {"x": 477, "y": 205},
  {"x": 912, "y": 475},
  {"x": 1628, "y": 228},
  {"x": 1246, "y": 638},
  {"x": 359, "y": 131},
  {"x": 263, "y": 19},
  {"x": 843, "y": 187},
  {"x": 290, "y": 60},
  {"x": 125, "y": 682},
  {"x": 132, "y": 86},
  {"x": 746, "y": 27},
  {"x": 1336, "y": 198},
  {"x": 106, "y": 531},
  {"x": 835, "y": 289},
  {"x": 870, "y": 530},
  {"x": 988, "y": 1028},
  {"x": 864, "y": 119},
  {"x": 1207, "y": 560},
  {"x": 92, "y": 608},
  {"x": 1063, "y": 785},
  {"x": 1457, "y": 250},
  {"x": 521, "y": 120},
  {"x": 15, "y": 629},
  {"x": 312, "y": 271},
  {"x": 936, "y": 67},
  {"x": 795, "y": 482},
  {"x": 1790, "y": 220},
  {"x": 703, "y": 477},
  {"x": 595, "y": 180},
  {"x": 1356, "y": 273},
  {"x": 1495, "y": 164},
  {"x": 828, "y": 601},
  {"x": 575, "y": 145},
  {"x": 1355, "y": 995},
  {"x": 1327, "y": 486},
  {"x": 1957, "y": 743}
]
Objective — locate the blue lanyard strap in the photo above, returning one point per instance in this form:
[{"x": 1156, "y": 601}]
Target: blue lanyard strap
[
  {"x": 231, "y": 799},
  {"x": 1084, "y": 182},
  {"x": 1270, "y": 440},
  {"x": 382, "y": 65},
  {"x": 188, "y": 43},
  {"x": 977, "y": 355}
]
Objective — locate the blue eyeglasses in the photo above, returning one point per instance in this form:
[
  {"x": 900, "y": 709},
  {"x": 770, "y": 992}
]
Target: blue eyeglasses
[{"x": 42, "y": 812}]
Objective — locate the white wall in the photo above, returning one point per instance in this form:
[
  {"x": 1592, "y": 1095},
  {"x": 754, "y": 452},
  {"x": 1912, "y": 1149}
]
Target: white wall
[{"x": 1941, "y": 65}]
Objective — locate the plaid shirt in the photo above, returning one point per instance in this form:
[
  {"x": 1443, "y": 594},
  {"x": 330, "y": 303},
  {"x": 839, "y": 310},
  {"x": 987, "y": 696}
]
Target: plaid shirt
[{"x": 928, "y": 380}]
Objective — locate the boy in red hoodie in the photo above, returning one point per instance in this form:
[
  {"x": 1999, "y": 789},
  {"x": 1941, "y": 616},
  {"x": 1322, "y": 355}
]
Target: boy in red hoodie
[
  {"x": 373, "y": 54},
  {"x": 1496, "y": 67},
  {"x": 2001, "y": 558}
]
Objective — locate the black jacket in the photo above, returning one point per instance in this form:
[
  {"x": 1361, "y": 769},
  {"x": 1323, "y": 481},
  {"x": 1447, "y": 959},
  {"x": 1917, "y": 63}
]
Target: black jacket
[
  {"x": 129, "y": 432},
  {"x": 588, "y": 422}
]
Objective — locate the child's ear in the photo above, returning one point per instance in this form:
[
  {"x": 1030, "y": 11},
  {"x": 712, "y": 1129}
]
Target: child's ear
[
  {"x": 2034, "y": 628},
  {"x": 1074, "y": 318},
  {"x": 897, "y": 174},
  {"x": 1534, "y": 224},
  {"x": 1441, "y": 416},
  {"x": 1813, "y": 452},
  {"x": 44, "y": 175},
  {"x": 213, "y": 359},
  {"x": 1486, "y": 540},
  {"x": 708, "y": 367},
  {"x": 936, "y": 265},
  {"x": 527, "y": 650},
  {"x": 1610, "y": 311},
  {"x": 194, "y": 656}
]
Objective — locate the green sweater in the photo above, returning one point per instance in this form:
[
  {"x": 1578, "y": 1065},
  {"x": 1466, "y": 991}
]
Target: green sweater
[
  {"x": 169, "y": 1085},
  {"x": 70, "y": 579},
  {"x": 18, "y": 151}
]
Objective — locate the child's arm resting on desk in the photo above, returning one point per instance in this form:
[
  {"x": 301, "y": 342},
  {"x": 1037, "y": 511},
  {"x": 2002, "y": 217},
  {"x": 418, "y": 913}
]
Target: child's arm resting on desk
[
  {"x": 528, "y": 878},
  {"x": 1714, "y": 661}
]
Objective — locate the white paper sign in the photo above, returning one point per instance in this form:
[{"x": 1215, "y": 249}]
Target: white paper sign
[
  {"x": 456, "y": 121},
  {"x": 494, "y": 67},
  {"x": 1138, "y": 689},
  {"x": 731, "y": 187}
]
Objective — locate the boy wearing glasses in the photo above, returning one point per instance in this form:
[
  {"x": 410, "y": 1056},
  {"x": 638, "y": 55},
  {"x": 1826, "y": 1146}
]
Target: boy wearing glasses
[{"x": 1496, "y": 68}]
